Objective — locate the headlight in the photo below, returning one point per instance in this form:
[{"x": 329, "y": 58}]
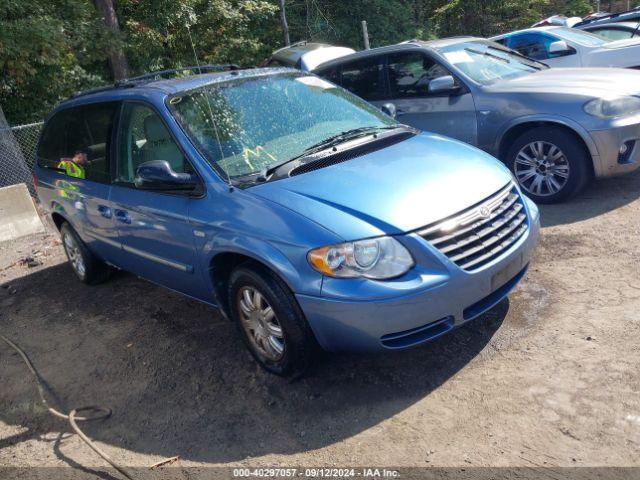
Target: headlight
[
  {"x": 612, "y": 108},
  {"x": 376, "y": 258}
]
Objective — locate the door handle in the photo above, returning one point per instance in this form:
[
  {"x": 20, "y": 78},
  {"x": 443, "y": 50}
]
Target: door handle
[
  {"x": 123, "y": 216},
  {"x": 104, "y": 211}
]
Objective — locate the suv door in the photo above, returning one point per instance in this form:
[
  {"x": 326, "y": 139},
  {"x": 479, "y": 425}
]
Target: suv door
[
  {"x": 155, "y": 232},
  {"x": 536, "y": 45},
  {"x": 452, "y": 114},
  {"x": 74, "y": 157}
]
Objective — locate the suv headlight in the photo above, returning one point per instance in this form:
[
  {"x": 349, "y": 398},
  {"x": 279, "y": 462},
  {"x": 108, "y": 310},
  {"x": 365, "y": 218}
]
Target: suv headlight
[
  {"x": 376, "y": 258},
  {"x": 612, "y": 108}
]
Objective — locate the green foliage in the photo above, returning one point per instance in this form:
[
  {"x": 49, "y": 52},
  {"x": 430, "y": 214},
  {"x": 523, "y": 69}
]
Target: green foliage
[{"x": 45, "y": 54}]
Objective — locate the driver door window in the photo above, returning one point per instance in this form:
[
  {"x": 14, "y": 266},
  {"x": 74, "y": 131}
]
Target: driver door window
[
  {"x": 144, "y": 137},
  {"x": 534, "y": 45},
  {"x": 410, "y": 74}
]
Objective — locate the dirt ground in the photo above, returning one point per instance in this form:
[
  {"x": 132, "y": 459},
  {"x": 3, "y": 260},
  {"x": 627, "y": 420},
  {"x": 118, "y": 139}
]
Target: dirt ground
[{"x": 550, "y": 378}]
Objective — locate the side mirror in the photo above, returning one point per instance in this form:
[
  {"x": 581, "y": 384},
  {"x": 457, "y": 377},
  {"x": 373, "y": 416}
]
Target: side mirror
[
  {"x": 560, "y": 47},
  {"x": 390, "y": 109},
  {"x": 158, "y": 175},
  {"x": 446, "y": 84}
]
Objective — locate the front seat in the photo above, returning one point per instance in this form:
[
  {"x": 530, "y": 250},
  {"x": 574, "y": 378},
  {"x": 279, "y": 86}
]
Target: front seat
[{"x": 160, "y": 145}]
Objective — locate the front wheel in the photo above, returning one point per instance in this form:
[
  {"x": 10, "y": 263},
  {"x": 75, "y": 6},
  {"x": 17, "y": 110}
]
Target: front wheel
[
  {"x": 270, "y": 321},
  {"x": 550, "y": 164}
]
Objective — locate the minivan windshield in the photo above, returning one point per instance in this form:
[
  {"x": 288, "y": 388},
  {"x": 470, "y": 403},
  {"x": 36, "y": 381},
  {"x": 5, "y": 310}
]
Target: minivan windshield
[
  {"x": 251, "y": 124},
  {"x": 488, "y": 62}
]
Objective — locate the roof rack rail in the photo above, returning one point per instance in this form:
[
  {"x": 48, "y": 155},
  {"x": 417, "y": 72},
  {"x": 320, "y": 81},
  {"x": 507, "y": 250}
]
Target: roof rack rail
[
  {"x": 172, "y": 71},
  {"x": 633, "y": 14},
  {"x": 133, "y": 81}
]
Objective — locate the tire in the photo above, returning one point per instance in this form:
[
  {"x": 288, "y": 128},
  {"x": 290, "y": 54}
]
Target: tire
[
  {"x": 87, "y": 267},
  {"x": 296, "y": 340},
  {"x": 544, "y": 179}
]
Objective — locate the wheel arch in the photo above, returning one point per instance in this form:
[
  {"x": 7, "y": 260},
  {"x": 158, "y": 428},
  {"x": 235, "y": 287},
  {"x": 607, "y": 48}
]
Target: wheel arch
[
  {"x": 224, "y": 260},
  {"x": 58, "y": 215},
  {"x": 515, "y": 128}
]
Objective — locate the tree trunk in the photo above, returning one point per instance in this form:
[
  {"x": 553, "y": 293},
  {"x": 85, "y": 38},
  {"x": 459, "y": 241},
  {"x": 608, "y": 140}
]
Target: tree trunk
[
  {"x": 117, "y": 59},
  {"x": 285, "y": 26}
]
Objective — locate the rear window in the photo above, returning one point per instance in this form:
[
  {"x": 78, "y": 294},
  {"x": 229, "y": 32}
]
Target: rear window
[
  {"x": 76, "y": 141},
  {"x": 365, "y": 78}
]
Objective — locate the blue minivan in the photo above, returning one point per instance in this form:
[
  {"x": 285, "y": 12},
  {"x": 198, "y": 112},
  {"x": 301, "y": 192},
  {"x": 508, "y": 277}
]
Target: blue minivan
[{"x": 303, "y": 213}]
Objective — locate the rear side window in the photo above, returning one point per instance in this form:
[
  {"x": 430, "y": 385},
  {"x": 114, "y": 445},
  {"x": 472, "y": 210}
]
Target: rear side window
[
  {"x": 365, "y": 78},
  {"x": 77, "y": 141},
  {"x": 331, "y": 74}
]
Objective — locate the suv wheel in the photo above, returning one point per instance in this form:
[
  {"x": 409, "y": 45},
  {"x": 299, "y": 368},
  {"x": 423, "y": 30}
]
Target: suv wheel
[
  {"x": 549, "y": 163},
  {"x": 86, "y": 266},
  {"x": 270, "y": 321}
]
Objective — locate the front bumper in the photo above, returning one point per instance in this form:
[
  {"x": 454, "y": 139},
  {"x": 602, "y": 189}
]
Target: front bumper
[
  {"x": 608, "y": 142},
  {"x": 408, "y": 319}
]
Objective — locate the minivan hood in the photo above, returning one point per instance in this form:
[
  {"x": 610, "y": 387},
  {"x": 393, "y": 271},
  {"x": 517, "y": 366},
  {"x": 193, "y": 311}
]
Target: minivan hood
[
  {"x": 397, "y": 189},
  {"x": 591, "y": 82}
]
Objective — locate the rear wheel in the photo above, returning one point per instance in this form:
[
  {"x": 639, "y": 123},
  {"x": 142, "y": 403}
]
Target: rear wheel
[
  {"x": 549, "y": 163},
  {"x": 87, "y": 267},
  {"x": 270, "y": 321}
]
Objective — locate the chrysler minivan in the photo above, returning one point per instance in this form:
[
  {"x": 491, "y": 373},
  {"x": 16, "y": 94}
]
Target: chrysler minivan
[{"x": 304, "y": 214}]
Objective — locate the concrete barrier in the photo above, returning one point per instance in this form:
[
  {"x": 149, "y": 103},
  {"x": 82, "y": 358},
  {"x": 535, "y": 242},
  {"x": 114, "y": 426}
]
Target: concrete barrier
[{"x": 18, "y": 215}]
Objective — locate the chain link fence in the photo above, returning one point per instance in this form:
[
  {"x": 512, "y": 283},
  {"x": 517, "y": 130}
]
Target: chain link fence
[{"x": 18, "y": 154}]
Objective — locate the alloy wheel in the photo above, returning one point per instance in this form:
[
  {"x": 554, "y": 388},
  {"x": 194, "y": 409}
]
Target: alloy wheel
[
  {"x": 260, "y": 323},
  {"x": 541, "y": 168},
  {"x": 74, "y": 254}
]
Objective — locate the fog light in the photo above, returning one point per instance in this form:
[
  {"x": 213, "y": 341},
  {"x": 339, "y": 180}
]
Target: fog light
[{"x": 624, "y": 153}]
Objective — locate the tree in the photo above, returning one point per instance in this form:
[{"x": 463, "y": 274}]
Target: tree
[
  {"x": 117, "y": 60},
  {"x": 283, "y": 21},
  {"x": 48, "y": 50}
]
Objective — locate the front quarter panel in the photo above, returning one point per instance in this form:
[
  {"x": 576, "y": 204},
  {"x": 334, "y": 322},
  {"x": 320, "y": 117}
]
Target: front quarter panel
[
  {"x": 500, "y": 112},
  {"x": 236, "y": 221}
]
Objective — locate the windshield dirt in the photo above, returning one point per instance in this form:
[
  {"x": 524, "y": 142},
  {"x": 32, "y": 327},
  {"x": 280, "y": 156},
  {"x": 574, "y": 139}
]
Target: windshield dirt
[{"x": 245, "y": 126}]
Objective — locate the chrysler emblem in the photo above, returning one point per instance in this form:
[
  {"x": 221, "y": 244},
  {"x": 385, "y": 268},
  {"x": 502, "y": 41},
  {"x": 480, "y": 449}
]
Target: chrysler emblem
[{"x": 484, "y": 212}]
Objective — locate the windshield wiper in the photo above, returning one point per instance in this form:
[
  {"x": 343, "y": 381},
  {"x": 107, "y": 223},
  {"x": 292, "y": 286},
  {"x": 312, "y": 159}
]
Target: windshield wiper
[
  {"x": 332, "y": 141},
  {"x": 534, "y": 63},
  {"x": 487, "y": 54}
]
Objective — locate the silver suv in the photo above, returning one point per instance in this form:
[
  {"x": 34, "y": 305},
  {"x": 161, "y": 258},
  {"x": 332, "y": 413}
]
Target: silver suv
[{"x": 554, "y": 128}]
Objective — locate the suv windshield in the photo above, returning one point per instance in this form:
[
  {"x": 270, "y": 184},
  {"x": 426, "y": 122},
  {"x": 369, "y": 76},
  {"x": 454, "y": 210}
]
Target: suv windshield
[
  {"x": 488, "y": 62},
  {"x": 250, "y": 124},
  {"x": 583, "y": 38}
]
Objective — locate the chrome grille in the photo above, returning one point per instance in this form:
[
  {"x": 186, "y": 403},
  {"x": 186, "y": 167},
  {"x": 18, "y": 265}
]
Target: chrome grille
[{"x": 476, "y": 236}]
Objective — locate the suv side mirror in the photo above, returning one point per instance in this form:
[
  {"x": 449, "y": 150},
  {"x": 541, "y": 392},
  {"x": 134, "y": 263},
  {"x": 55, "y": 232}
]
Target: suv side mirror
[
  {"x": 560, "y": 47},
  {"x": 390, "y": 109},
  {"x": 158, "y": 175},
  {"x": 445, "y": 84}
]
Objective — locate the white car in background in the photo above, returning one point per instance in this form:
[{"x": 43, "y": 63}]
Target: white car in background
[
  {"x": 568, "y": 47},
  {"x": 306, "y": 56}
]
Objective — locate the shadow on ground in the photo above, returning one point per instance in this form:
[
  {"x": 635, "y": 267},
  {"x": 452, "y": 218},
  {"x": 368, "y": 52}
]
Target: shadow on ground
[
  {"x": 180, "y": 382},
  {"x": 598, "y": 198}
]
